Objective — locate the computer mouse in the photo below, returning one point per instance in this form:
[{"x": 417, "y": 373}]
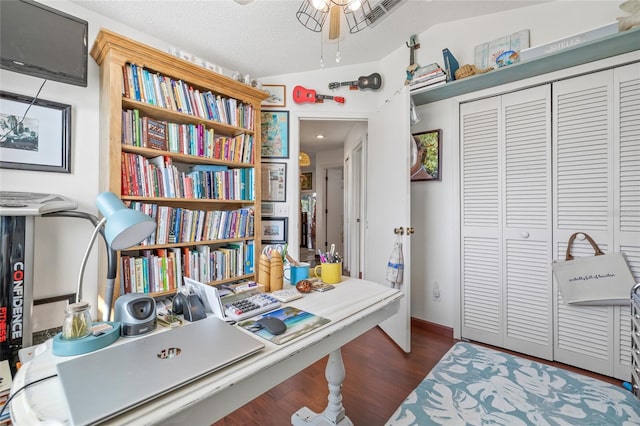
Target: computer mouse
[{"x": 273, "y": 325}]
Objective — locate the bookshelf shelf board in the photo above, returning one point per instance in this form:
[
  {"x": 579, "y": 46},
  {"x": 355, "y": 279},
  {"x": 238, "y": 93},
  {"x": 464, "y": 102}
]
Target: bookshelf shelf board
[
  {"x": 183, "y": 158},
  {"x": 192, "y": 203},
  {"x": 612, "y": 45},
  {"x": 189, "y": 244},
  {"x": 182, "y": 118}
]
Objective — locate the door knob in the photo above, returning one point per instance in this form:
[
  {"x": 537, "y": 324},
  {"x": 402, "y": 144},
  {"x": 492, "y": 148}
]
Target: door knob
[
  {"x": 410, "y": 230},
  {"x": 398, "y": 231}
]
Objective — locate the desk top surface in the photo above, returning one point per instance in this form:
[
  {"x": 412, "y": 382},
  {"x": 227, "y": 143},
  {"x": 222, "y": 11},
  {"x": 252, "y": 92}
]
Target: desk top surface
[{"x": 349, "y": 303}]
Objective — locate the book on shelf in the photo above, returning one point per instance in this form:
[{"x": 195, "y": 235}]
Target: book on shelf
[
  {"x": 426, "y": 70},
  {"x": 450, "y": 64},
  {"x": 154, "y": 134},
  {"x": 415, "y": 90},
  {"x": 298, "y": 322},
  {"x": 428, "y": 82}
]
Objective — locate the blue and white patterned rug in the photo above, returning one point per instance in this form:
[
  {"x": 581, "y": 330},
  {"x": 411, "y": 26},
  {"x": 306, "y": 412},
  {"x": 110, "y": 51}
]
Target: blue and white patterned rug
[{"x": 474, "y": 385}]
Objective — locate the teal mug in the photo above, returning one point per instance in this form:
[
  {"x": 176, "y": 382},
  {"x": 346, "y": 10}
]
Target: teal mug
[{"x": 295, "y": 274}]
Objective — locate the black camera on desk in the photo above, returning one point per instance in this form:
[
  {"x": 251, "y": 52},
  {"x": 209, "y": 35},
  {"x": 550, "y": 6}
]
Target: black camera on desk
[
  {"x": 190, "y": 306},
  {"x": 136, "y": 313}
]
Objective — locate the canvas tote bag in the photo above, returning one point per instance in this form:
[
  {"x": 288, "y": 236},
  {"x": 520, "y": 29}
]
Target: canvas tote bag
[{"x": 602, "y": 279}]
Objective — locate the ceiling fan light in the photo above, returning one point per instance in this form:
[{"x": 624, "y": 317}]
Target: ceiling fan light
[
  {"x": 321, "y": 5},
  {"x": 358, "y": 19},
  {"x": 311, "y": 17},
  {"x": 354, "y": 5}
]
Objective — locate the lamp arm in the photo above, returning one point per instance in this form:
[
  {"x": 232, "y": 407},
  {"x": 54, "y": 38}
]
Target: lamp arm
[
  {"x": 86, "y": 257},
  {"x": 112, "y": 263}
]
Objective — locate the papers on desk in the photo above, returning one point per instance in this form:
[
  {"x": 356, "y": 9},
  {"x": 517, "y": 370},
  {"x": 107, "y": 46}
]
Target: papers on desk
[{"x": 298, "y": 323}]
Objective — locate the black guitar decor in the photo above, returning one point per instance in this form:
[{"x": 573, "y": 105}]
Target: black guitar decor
[{"x": 372, "y": 81}]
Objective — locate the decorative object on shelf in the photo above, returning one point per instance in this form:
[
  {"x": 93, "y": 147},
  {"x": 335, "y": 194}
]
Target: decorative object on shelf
[
  {"x": 303, "y": 159},
  {"x": 372, "y": 81},
  {"x": 274, "y": 182},
  {"x": 123, "y": 228},
  {"x": 469, "y": 70},
  {"x": 507, "y": 58},
  {"x": 568, "y": 42},
  {"x": 628, "y": 22},
  {"x": 486, "y": 54},
  {"x": 302, "y": 95},
  {"x": 277, "y": 95},
  {"x": 306, "y": 181},
  {"x": 274, "y": 230},
  {"x": 411, "y": 69},
  {"x": 275, "y": 134},
  {"x": 35, "y": 134},
  {"x": 425, "y": 156},
  {"x": 450, "y": 64}
]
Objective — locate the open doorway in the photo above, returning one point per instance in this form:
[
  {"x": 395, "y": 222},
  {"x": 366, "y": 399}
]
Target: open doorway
[{"x": 324, "y": 206}]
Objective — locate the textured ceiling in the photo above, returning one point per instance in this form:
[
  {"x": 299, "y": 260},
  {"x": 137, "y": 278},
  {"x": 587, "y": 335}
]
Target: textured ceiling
[{"x": 264, "y": 38}]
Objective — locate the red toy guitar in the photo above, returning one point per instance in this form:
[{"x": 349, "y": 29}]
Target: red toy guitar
[
  {"x": 372, "y": 81},
  {"x": 302, "y": 95}
]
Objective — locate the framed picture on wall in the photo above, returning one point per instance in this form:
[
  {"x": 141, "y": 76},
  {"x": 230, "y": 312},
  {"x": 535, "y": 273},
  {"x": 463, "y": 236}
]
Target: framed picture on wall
[
  {"x": 274, "y": 230},
  {"x": 274, "y": 134},
  {"x": 34, "y": 134},
  {"x": 277, "y": 95},
  {"x": 425, "y": 156},
  {"x": 274, "y": 182},
  {"x": 306, "y": 181}
]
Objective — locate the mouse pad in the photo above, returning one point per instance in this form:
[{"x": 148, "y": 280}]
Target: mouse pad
[{"x": 298, "y": 323}]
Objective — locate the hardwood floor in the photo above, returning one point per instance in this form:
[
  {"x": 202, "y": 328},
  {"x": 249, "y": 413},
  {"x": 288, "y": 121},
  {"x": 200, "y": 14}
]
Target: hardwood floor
[{"x": 379, "y": 376}]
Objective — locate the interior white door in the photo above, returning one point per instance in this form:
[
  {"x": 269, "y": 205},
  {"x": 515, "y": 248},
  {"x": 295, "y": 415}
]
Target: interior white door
[{"x": 388, "y": 204}]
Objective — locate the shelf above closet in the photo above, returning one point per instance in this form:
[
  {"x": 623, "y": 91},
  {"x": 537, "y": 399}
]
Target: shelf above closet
[{"x": 605, "y": 47}]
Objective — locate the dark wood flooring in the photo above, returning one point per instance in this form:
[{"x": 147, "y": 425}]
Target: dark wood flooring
[{"x": 379, "y": 376}]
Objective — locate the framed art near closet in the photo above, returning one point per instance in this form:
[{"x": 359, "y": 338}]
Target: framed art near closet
[{"x": 425, "y": 156}]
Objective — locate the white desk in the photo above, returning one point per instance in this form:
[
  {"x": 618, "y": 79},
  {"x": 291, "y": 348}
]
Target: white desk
[{"x": 354, "y": 307}]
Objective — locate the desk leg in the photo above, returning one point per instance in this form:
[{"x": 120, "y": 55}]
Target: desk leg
[{"x": 334, "y": 414}]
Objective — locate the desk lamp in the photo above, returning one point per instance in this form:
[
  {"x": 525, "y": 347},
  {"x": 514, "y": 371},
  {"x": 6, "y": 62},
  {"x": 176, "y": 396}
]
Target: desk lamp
[{"x": 123, "y": 228}]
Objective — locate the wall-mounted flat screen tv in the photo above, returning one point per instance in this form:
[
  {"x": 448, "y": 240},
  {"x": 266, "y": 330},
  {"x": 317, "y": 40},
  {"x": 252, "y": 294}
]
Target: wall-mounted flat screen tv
[{"x": 43, "y": 42}]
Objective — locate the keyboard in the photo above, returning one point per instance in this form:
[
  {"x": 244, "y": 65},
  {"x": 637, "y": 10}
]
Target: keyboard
[{"x": 250, "y": 306}]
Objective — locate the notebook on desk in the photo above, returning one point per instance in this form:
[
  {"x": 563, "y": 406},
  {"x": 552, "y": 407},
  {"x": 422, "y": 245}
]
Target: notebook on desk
[{"x": 102, "y": 384}]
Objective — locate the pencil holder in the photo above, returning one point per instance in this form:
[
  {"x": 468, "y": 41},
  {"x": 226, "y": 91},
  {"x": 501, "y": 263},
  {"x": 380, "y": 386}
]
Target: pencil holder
[{"x": 330, "y": 273}]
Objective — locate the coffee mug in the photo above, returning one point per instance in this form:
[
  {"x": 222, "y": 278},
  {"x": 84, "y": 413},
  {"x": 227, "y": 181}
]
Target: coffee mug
[
  {"x": 295, "y": 274},
  {"x": 330, "y": 273}
]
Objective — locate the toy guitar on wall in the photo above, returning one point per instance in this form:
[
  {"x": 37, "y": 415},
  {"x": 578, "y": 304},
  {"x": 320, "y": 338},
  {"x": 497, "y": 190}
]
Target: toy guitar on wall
[
  {"x": 302, "y": 95},
  {"x": 412, "y": 45},
  {"x": 372, "y": 81}
]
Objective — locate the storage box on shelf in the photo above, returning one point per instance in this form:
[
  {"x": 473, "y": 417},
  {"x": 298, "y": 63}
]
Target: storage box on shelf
[{"x": 182, "y": 144}]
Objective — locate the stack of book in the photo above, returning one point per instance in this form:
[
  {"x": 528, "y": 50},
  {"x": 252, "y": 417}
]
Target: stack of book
[{"x": 427, "y": 77}]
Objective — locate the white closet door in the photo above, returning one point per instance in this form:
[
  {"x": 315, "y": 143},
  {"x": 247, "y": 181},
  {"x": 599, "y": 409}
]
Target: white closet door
[
  {"x": 627, "y": 198},
  {"x": 528, "y": 296},
  {"x": 583, "y": 191},
  {"x": 481, "y": 223}
]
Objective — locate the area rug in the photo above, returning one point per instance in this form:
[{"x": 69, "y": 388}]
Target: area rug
[{"x": 474, "y": 385}]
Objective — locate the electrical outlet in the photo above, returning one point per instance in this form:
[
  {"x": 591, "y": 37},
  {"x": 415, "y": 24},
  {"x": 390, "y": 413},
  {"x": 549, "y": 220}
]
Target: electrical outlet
[{"x": 436, "y": 291}]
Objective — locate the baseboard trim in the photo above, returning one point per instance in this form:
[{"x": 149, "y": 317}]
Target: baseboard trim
[{"x": 432, "y": 327}]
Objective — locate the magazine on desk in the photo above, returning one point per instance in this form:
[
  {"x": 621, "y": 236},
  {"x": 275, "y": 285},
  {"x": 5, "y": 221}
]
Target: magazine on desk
[{"x": 298, "y": 323}]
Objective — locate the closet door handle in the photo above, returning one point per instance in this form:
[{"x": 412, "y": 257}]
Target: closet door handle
[{"x": 524, "y": 234}]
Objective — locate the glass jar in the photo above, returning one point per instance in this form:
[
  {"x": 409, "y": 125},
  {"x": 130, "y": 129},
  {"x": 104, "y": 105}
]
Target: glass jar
[{"x": 77, "y": 321}]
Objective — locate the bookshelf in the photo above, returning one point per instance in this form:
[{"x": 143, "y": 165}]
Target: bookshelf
[
  {"x": 200, "y": 176},
  {"x": 605, "y": 47}
]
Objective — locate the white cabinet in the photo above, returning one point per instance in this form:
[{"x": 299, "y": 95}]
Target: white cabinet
[
  {"x": 506, "y": 221},
  {"x": 526, "y": 186},
  {"x": 596, "y": 174}
]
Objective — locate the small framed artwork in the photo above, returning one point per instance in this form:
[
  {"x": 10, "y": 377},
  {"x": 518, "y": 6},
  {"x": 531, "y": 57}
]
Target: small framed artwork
[
  {"x": 277, "y": 95},
  {"x": 274, "y": 182},
  {"x": 425, "y": 156},
  {"x": 274, "y": 230},
  {"x": 306, "y": 181},
  {"x": 275, "y": 134},
  {"x": 34, "y": 134}
]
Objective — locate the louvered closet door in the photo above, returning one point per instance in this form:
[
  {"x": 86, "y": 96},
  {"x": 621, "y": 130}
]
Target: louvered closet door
[
  {"x": 481, "y": 224},
  {"x": 583, "y": 190},
  {"x": 528, "y": 296},
  {"x": 627, "y": 198}
]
